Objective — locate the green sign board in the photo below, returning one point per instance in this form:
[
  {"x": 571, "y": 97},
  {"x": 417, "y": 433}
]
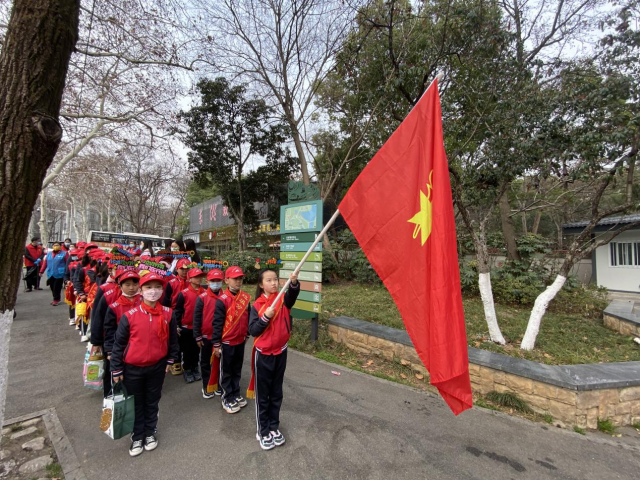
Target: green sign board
[
  {"x": 307, "y": 267},
  {"x": 297, "y": 256}
]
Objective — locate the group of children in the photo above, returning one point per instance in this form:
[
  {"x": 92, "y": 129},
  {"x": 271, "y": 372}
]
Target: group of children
[{"x": 188, "y": 322}]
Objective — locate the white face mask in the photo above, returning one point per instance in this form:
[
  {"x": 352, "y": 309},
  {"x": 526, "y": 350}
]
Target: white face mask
[
  {"x": 152, "y": 294},
  {"x": 215, "y": 285},
  {"x": 175, "y": 249},
  {"x": 234, "y": 289},
  {"x": 132, "y": 245}
]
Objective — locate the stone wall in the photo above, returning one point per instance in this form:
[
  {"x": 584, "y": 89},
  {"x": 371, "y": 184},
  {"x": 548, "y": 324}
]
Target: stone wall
[
  {"x": 619, "y": 316},
  {"x": 572, "y": 403}
]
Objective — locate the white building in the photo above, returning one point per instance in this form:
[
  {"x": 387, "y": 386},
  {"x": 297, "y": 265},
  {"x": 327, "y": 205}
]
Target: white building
[{"x": 616, "y": 265}]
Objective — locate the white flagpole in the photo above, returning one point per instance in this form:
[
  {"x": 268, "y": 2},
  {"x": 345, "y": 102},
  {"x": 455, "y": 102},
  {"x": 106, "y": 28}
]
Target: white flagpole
[{"x": 304, "y": 259}]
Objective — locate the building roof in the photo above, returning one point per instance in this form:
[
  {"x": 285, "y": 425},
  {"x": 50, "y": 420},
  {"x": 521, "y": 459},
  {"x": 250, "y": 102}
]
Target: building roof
[{"x": 604, "y": 224}]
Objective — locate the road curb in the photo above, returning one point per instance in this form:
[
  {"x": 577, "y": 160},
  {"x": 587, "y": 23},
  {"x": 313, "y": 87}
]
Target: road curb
[{"x": 64, "y": 451}]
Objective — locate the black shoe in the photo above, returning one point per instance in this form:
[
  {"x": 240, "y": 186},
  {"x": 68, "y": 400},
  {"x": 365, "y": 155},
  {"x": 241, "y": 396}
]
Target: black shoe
[
  {"x": 197, "y": 375},
  {"x": 241, "y": 401},
  {"x": 218, "y": 392},
  {"x": 230, "y": 406},
  {"x": 188, "y": 376}
]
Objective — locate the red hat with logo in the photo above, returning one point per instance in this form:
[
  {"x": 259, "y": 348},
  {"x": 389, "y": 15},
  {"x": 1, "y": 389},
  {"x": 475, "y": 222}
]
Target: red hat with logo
[
  {"x": 81, "y": 245},
  {"x": 233, "y": 272},
  {"x": 151, "y": 276},
  {"x": 183, "y": 263},
  {"x": 75, "y": 252},
  {"x": 194, "y": 272},
  {"x": 126, "y": 275},
  {"x": 215, "y": 274},
  {"x": 90, "y": 245}
]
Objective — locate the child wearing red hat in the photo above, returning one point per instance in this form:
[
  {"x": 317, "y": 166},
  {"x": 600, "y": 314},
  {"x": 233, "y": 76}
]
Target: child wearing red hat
[
  {"x": 203, "y": 327},
  {"x": 183, "y": 315},
  {"x": 176, "y": 283},
  {"x": 230, "y": 326},
  {"x": 129, "y": 297},
  {"x": 106, "y": 294},
  {"x": 145, "y": 346},
  {"x": 271, "y": 325}
]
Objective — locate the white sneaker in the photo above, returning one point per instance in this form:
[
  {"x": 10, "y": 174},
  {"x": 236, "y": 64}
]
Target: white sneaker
[
  {"x": 136, "y": 448},
  {"x": 78, "y": 328},
  {"x": 150, "y": 443},
  {"x": 277, "y": 437},
  {"x": 266, "y": 443},
  {"x": 84, "y": 338},
  {"x": 72, "y": 321},
  {"x": 207, "y": 395}
]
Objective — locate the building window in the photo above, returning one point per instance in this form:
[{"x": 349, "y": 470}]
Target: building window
[{"x": 624, "y": 254}]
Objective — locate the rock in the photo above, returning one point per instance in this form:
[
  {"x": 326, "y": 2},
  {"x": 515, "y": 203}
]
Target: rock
[
  {"x": 36, "y": 464},
  {"x": 8, "y": 466},
  {"x": 35, "y": 444},
  {"x": 4, "y": 454},
  {"x": 30, "y": 423},
  {"x": 24, "y": 433},
  {"x": 6, "y": 431}
]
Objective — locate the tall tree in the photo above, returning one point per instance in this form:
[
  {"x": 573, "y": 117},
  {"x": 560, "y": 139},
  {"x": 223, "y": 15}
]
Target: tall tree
[
  {"x": 33, "y": 66},
  {"x": 225, "y": 133},
  {"x": 594, "y": 138},
  {"x": 284, "y": 49}
]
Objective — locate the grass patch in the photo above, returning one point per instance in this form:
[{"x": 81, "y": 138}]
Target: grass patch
[
  {"x": 509, "y": 400},
  {"x": 579, "y": 430},
  {"x": 54, "y": 470},
  {"x": 605, "y": 426},
  {"x": 564, "y": 339},
  {"x": 636, "y": 425},
  {"x": 547, "y": 418},
  {"x": 482, "y": 403}
]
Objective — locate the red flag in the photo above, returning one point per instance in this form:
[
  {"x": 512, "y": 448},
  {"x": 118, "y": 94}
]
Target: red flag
[{"x": 401, "y": 212}]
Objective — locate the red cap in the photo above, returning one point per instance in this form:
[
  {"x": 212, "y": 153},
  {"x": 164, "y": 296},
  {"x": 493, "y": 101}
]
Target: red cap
[
  {"x": 81, "y": 244},
  {"x": 215, "y": 274},
  {"x": 126, "y": 275},
  {"x": 194, "y": 272},
  {"x": 183, "y": 263},
  {"x": 75, "y": 251},
  {"x": 151, "y": 276},
  {"x": 233, "y": 272},
  {"x": 90, "y": 245},
  {"x": 97, "y": 254}
]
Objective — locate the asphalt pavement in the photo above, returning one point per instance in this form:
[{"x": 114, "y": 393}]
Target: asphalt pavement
[{"x": 347, "y": 426}]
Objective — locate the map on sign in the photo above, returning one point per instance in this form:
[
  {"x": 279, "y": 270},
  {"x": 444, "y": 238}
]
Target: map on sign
[
  {"x": 301, "y": 217},
  {"x": 304, "y": 217}
]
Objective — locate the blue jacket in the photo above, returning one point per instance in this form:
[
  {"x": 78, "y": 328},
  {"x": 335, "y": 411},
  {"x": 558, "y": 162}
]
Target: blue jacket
[{"x": 56, "y": 265}]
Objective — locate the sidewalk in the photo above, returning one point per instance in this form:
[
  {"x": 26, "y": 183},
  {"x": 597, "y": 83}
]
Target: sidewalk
[{"x": 349, "y": 426}]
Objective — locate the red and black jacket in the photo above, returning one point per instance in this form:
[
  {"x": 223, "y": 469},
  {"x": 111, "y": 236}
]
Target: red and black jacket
[
  {"x": 31, "y": 254},
  {"x": 138, "y": 342},
  {"x": 185, "y": 305},
  {"x": 273, "y": 333},
  {"x": 112, "y": 317},
  {"x": 107, "y": 294},
  {"x": 79, "y": 279},
  {"x": 203, "y": 315},
  {"x": 239, "y": 332},
  {"x": 171, "y": 291}
]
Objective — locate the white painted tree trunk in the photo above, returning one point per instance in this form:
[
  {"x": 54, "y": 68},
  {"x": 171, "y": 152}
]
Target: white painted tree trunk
[
  {"x": 42, "y": 223},
  {"x": 538, "y": 311},
  {"x": 484, "y": 282},
  {"x": 6, "y": 319}
]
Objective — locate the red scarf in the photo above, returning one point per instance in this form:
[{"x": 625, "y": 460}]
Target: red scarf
[{"x": 163, "y": 326}]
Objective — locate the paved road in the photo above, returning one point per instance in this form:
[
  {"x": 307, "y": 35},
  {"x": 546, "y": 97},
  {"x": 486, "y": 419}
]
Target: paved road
[{"x": 351, "y": 426}]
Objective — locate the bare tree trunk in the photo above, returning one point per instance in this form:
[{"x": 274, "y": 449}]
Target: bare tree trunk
[
  {"x": 300, "y": 151},
  {"x": 536, "y": 222},
  {"x": 508, "y": 231},
  {"x": 33, "y": 65},
  {"x": 74, "y": 219},
  {"x": 42, "y": 223},
  {"x": 109, "y": 214}
]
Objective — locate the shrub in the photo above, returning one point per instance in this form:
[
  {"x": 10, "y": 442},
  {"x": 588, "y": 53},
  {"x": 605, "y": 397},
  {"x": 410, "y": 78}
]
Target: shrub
[
  {"x": 509, "y": 400},
  {"x": 246, "y": 260}
]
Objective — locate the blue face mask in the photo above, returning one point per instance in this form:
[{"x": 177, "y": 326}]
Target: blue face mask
[
  {"x": 67, "y": 245},
  {"x": 215, "y": 285}
]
